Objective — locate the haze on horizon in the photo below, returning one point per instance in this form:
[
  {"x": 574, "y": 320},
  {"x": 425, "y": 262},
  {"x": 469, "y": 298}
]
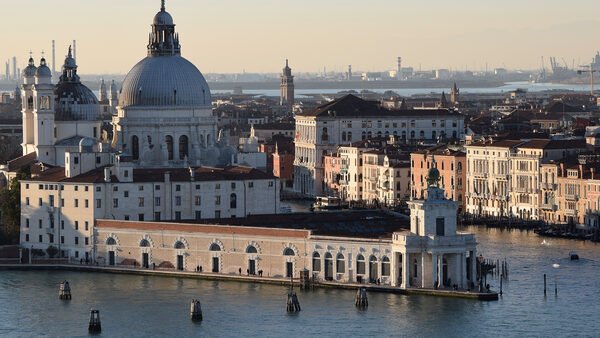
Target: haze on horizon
[{"x": 230, "y": 36}]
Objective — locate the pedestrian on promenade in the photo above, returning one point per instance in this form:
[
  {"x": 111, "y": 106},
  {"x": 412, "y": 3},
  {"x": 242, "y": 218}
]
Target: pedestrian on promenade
[{"x": 240, "y": 270}]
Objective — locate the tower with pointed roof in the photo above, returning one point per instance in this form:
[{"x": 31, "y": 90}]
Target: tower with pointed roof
[
  {"x": 43, "y": 113},
  {"x": 287, "y": 88},
  {"x": 454, "y": 94},
  {"x": 27, "y": 106}
]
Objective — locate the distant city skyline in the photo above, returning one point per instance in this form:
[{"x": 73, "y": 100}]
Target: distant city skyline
[{"x": 232, "y": 36}]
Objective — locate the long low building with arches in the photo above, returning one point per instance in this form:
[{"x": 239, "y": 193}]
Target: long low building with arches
[{"x": 347, "y": 247}]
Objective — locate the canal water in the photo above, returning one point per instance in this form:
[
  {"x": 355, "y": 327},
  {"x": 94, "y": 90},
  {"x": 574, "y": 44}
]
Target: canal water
[{"x": 142, "y": 306}]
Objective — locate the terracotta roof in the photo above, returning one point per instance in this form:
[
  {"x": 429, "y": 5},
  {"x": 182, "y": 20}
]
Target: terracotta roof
[
  {"x": 22, "y": 162},
  {"x": 352, "y": 106},
  {"x": 497, "y": 144},
  {"x": 554, "y": 144},
  {"x": 275, "y": 126}
]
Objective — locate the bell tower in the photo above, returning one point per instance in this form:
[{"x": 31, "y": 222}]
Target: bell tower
[
  {"x": 27, "y": 107},
  {"x": 43, "y": 113},
  {"x": 287, "y": 88}
]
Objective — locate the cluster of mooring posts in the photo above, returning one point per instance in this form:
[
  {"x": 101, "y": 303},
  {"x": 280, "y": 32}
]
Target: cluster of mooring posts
[
  {"x": 361, "y": 298},
  {"x": 95, "y": 327},
  {"x": 196, "y": 310},
  {"x": 64, "y": 291},
  {"x": 497, "y": 269},
  {"x": 292, "y": 304}
]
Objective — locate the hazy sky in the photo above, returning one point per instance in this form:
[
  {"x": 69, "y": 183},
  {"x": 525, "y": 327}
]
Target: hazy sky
[{"x": 257, "y": 35}]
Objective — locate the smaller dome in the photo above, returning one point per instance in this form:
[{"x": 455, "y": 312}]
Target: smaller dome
[
  {"x": 86, "y": 145},
  {"x": 43, "y": 70},
  {"x": 433, "y": 176},
  {"x": 163, "y": 18},
  {"x": 29, "y": 71}
]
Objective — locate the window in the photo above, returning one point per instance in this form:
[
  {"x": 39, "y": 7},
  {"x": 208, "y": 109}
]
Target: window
[
  {"x": 26, "y": 200},
  {"x": 198, "y": 214},
  {"x": 40, "y": 223},
  {"x": 214, "y": 247},
  {"x": 40, "y": 238},
  {"x": 270, "y": 184},
  {"x": 169, "y": 142},
  {"x": 360, "y": 265},
  {"x": 217, "y": 214},
  {"x": 141, "y": 188},
  {"x": 126, "y": 217},
  {"x": 197, "y": 186},
  {"x": 141, "y": 217},
  {"x": 157, "y": 215},
  {"x": 439, "y": 226},
  {"x": 135, "y": 148},
  {"x": 218, "y": 186},
  {"x": 76, "y": 225},
  {"x": 62, "y": 239},
  {"x": 289, "y": 252},
  {"x": 340, "y": 264},
  {"x": 62, "y": 202},
  {"x": 87, "y": 225},
  {"x": 385, "y": 266},
  {"x": 98, "y": 203},
  {"x": 126, "y": 194},
  {"x": 233, "y": 201},
  {"x": 27, "y": 223},
  {"x": 250, "y": 184},
  {"x": 115, "y": 188},
  {"x": 140, "y": 202},
  {"x": 87, "y": 241},
  {"x": 51, "y": 238},
  {"x": 183, "y": 147},
  {"x": 26, "y": 237},
  {"x": 316, "y": 262},
  {"x": 157, "y": 187},
  {"x": 115, "y": 202},
  {"x": 86, "y": 203},
  {"x": 178, "y": 215},
  {"x": 157, "y": 201},
  {"x": 75, "y": 160},
  {"x": 76, "y": 240},
  {"x": 40, "y": 202},
  {"x": 233, "y": 185},
  {"x": 62, "y": 225},
  {"x": 51, "y": 201},
  {"x": 217, "y": 200},
  {"x": 177, "y": 187},
  {"x": 86, "y": 188},
  {"x": 197, "y": 200},
  {"x": 177, "y": 200},
  {"x": 76, "y": 203}
]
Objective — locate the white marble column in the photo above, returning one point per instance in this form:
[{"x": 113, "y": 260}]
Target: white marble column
[
  {"x": 434, "y": 269},
  {"x": 458, "y": 270},
  {"x": 441, "y": 271},
  {"x": 463, "y": 270},
  {"x": 473, "y": 267},
  {"x": 393, "y": 270},
  {"x": 405, "y": 270}
]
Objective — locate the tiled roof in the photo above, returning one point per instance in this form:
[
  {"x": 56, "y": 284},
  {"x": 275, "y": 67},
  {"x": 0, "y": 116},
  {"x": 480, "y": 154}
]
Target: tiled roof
[
  {"x": 352, "y": 106},
  {"x": 21, "y": 162},
  {"x": 554, "y": 144}
]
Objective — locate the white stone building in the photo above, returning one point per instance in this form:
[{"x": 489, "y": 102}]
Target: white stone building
[{"x": 349, "y": 119}]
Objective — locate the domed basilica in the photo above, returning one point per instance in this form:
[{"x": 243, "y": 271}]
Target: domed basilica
[{"x": 164, "y": 117}]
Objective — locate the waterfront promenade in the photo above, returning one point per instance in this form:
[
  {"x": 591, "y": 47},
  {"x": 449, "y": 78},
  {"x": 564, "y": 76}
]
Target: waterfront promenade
[{"x": 482, "y": 296}]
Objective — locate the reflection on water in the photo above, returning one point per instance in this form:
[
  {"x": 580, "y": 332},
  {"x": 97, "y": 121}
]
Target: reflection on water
[{"x": 158, "y": 306}]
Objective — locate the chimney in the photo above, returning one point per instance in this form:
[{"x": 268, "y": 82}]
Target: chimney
[
  {"x": 592, "y": 172},
  {"x": 562, "y": 169},
  {"x": 107, "y": 175}
]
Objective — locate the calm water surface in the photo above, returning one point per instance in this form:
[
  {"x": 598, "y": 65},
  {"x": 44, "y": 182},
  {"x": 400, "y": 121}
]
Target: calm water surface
[{"x": 158, "y": 306}]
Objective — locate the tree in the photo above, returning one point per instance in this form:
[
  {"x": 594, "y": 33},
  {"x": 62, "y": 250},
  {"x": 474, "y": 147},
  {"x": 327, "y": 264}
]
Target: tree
[
  {"x": 10, "y": 209},
  {"x": 51, "y": 251}
]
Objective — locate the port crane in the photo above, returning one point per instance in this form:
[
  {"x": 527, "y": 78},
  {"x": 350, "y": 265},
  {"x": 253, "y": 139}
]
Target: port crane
[{"x": 590, "y": 70}]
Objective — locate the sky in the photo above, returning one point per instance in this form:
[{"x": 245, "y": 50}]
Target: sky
[{"x": 232, "y": 36}]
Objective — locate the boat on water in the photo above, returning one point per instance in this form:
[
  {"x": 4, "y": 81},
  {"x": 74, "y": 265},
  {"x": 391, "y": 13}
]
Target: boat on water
[
  {"x": 574, "y": 256},
  {"x": 329, "y": 203}
]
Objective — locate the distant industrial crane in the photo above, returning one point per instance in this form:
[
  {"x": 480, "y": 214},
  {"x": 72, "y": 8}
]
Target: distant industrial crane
[{"x": 590, "y": 70}]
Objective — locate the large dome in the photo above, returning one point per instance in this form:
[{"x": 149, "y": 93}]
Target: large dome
[{"x": 164, "y": 81}]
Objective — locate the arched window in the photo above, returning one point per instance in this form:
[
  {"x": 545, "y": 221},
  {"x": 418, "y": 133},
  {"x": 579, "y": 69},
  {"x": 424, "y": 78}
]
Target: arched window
[
  {"x": 251, "y": 249},
  {"x": 433, "y": 135},
  {"x": 343, "y": 136},
  {"x": 288, "y": 252},
  {"x": 404, "y": 135},
  {"x": 111, "y": 241},
  {"x": 183, "y": 147},
  {"x": 340, "y": 264},
  {"x": 316, "y": 262},
  {"x": 349, "y": 136},
  {"x": 360, "y": 264},
  {"x": 324, "y": 136},
  {"x": 169, "y": 142},
  {"x": 215, "y": 247},
  {"x": 385, "y": 266},
  {"x": 135, "y": 147},
  {"x": 144, "y": 243},
  {"x": 369, "y": 134},
  {"x": 179, "y": 245},
  {"x": 387, "y": 134},
  {"x": 233, "y": 201},
  {"x": 412, "y": 135},
  {"x": 422, "y": 134},
  {"x": 379, "y": 134},
  {"x": 364, "y": 135},
  {"x": 459, "y": 166}
]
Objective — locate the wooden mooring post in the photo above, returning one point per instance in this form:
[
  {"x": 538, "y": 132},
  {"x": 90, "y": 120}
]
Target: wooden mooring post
[
  {"x": 544, "y": 284},
  {"x": 64, "y": 291},
  {"x": 362, "y": 300},
  {"x": 196, "y": 310},
  {"x": 293, "y": 305},
  {"x": 94, "y": 327}
]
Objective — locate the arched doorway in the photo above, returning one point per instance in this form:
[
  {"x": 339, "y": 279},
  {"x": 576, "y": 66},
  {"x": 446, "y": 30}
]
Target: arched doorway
[
  {"x": 289, "y": 263},
  {"x": 251, "y": 251},
  {"x": 373, "y": 270},
  {"x": 144, "y": 243},
  {"x": 215, "y": 249},
  {"x": 111, "y": 252},
  {"x": 328, "y": 266},
  {"x": 360, "y": 268},
  {"x": 183, "y": 147},
  {"x": 179, "y": 246}
]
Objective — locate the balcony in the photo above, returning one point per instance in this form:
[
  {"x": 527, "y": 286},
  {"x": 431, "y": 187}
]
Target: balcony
[
  {"x": 571, "y": 197},
  {"x": 549, "y": 186},
  {"x": 549, "y": 206}
]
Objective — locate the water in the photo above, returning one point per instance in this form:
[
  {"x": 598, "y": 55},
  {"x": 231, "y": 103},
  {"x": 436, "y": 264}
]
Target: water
[
  {"x": 530, "y": 87},
  {"x": 158, "y": 306}
]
